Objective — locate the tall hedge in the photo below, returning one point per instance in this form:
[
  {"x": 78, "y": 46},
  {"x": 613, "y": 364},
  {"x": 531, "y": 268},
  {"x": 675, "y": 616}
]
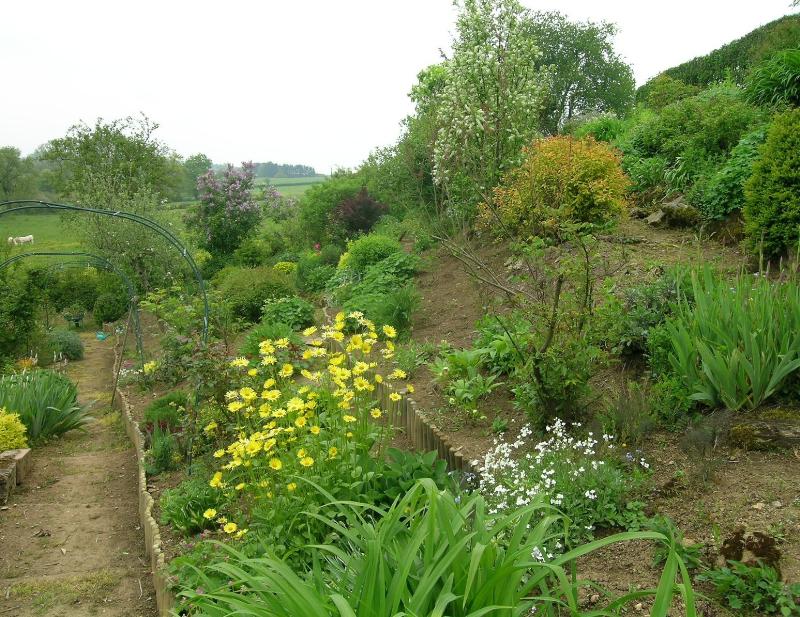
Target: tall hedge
[{"x": 737, "y": 57}]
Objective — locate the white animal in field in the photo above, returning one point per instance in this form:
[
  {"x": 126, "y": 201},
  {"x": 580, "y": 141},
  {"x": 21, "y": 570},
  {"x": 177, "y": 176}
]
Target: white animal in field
[{"x": 20, "y": 240}]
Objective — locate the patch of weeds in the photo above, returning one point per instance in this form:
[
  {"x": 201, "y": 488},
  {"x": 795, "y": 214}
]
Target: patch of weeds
[
  {"x": 91, "y": 588},
  {"x": 754, "y": 588},
  {"x": 701, "y": 443},
  {"x": 410, "y": 357}
]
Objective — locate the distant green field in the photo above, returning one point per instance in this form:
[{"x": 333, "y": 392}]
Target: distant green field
[
  {"x": 291, "y": 187},
  {"x": 49, "y": 232}
]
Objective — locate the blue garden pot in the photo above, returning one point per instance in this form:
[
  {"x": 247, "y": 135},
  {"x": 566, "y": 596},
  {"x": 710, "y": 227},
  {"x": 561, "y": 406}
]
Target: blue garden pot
[{"x": 101, "y": 336}]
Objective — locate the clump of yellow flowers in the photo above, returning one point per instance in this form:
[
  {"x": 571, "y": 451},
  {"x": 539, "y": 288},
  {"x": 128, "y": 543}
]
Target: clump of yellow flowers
[{"x": 301, "y": 411}]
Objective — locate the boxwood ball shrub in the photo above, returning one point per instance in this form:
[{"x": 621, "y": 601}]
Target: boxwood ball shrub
[
  {"x": 293, "y": 311},
  {"x": 66, "y": 343},
  {"x": 312, "y": 273},
  {"x": 246, "y": 289},
  {"x": 772, "y": 194},
  {"x": 368, "y": 250},
  {"x": 562, "y": 180},
  {"x": 109, "y": 308},
  {"x": 12, "y": 431}
]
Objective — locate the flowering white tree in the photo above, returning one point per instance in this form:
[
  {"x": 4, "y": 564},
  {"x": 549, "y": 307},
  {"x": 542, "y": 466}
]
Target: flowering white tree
[{"x": 489, "y": 107}]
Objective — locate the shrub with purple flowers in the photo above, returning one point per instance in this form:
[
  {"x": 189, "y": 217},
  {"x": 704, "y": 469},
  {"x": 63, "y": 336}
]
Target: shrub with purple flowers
[
  {"x": 583, "y": 477},
  {"x": 227, "y": 212}
]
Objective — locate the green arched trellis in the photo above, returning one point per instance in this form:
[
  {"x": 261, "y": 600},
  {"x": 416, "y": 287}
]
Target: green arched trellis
[
  {"x": 91, "y": 259},
  {"x": 19, "y": 205}
]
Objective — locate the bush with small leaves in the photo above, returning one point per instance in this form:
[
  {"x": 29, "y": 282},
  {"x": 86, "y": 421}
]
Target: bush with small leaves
[
  {"x": 562, "y": 180},
  {"x": 12, "y": 431},
  {"x": 66, "y": 343},
  {"x": 109, "y": 308},
  {"x": 293, "y": 311},
  {"x": 772, "y": 194},
  {"x": 246, "y": 289},
  {"x": 367, "y": 251}
]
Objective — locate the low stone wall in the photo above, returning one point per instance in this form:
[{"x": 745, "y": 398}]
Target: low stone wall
[{"x": 165, "y": 599}]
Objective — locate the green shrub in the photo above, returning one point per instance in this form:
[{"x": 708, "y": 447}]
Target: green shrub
[
  {"x": 394, "y": 309},
  {"x": 671, "y": 402},
  {"x": 163, "y": 453},
  {"x": 75, "y": 286},
  {"x": 266, "y": 331},
  {"x": 754, "y": 588},
  {"x": 252, "y": 252},
  {"x": 185, "y": 507},
  {"x": 318, "y": 203},
  {"x": 772, "y": 194},
  {"x": 605, "y": 127},
  {"x": 47, "y": 403},
  {"x": 286, "y": 267},
  {"x": 627, "y": 322},
  {"x": 12, "y": 431},
  {"x": 108, "y": 308},
  {"x": 66, "y": 343},
  {"x": 167, "y": 411},
  {"x": 330, "y": 254},
  {"x": 562, "y": 383},
  {"x": 664, "y": 90},
  {"x": 724, "y": 191},
  {"x": 700, "y": 127},
  {"x": 776, "y": 81},
  {"x": 246, "y": 289},
  {"x": 312, "y": 273},
  {"x": 294, "y": 312},
  {"x": 739, "y": 341},
  {"x": 498, "y": 351},
  {"x": 369, "y": 250}
]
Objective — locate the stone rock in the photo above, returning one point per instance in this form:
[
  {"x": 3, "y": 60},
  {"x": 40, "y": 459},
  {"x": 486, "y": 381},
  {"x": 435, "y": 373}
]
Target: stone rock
[
  {"x": 678, "y": 213},
  {"x": 8, "y": 479},
  {"x": 22, "y": 458},
  {"x": 656, "y": 217},
  {"x": 758, "y": 506}
]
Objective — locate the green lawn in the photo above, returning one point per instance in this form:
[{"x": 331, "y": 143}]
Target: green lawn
[
  {"x": 291, "y": 187},
  {"x": 49, "y": 232}
]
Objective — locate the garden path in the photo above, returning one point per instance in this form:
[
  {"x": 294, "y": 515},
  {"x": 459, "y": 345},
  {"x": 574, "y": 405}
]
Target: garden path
[{"x": 70, "y": 540}]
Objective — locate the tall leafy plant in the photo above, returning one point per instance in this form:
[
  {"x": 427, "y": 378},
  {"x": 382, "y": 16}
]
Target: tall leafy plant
[
  {"x": 431, "y": 553},
  {"x": 47, "y": 403},
  {"x": 740, "y": 340}
]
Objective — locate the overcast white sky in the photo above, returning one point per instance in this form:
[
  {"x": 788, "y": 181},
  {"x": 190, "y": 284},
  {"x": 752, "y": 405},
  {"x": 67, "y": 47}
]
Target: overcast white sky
[{"x": 319, "y": 82}]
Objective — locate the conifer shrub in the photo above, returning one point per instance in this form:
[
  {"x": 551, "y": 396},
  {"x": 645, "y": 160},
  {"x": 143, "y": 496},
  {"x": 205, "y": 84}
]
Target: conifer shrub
[{"x": 772, "y": 194}]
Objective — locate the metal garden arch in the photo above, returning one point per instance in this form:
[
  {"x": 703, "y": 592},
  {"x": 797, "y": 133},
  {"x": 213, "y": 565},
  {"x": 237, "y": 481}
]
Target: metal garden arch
[{"x": 19, "y": 205}]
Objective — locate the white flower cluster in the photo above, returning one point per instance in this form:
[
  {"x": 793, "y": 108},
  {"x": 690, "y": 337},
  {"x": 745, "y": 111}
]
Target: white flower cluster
[{"x": 512, "y": 474}]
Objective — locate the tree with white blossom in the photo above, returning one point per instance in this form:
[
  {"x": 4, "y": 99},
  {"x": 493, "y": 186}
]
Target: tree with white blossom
[{"x": 489, "y": 107}]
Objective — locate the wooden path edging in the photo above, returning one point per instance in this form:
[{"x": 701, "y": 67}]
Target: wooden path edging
[{"x": 165, "y": 599}]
